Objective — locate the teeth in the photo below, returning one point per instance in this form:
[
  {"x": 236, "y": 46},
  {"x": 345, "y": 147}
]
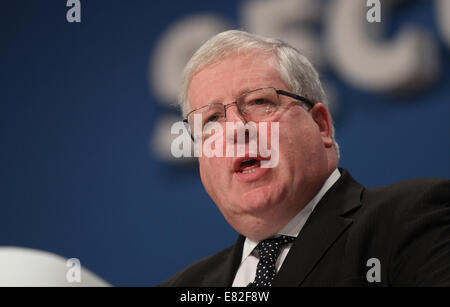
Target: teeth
[{"x": 250, "y": 171}]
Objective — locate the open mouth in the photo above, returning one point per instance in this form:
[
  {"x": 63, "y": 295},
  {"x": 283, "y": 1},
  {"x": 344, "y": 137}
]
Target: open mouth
[
  {"x": 249, "y": 166},
  {"x": 248, "y": 169}
]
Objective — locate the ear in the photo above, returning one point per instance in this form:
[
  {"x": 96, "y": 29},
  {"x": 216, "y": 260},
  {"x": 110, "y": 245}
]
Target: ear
[{"x": 322, "y": 118}]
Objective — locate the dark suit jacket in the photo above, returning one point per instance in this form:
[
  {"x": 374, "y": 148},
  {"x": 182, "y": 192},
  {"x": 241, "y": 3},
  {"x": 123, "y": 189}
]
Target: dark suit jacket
[{"x": 406, "y": 226}]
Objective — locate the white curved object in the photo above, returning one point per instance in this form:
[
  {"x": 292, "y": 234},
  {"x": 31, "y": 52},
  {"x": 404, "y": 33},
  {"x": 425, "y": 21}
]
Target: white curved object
[
  {"x": 405, "y": 64},
  {"x": 26, "y": 267}
]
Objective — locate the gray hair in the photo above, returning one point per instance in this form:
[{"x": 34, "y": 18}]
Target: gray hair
[{"x": 294, "y": 68}]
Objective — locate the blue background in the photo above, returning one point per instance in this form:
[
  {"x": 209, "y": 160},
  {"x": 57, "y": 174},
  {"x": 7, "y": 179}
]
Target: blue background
[{"x": 77, "y": 114}]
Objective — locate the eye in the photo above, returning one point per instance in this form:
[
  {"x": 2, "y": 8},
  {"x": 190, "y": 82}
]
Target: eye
[
  {"x": 212, "y": 118},
  {"x": 260, "y": 102}
]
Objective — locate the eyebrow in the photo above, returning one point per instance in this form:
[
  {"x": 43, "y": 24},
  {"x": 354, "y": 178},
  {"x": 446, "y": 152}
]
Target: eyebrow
[
  {"x": 217, "y": 100},
  {"x": 246, "y": 90},
  {"x": 222, "y": 101}
]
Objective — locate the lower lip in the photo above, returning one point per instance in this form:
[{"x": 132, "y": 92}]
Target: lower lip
[{"x": 253, "y": 176}]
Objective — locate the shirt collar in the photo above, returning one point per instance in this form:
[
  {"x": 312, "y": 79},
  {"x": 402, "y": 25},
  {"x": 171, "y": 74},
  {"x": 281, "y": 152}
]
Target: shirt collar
[{"x": 296, "y": 224}]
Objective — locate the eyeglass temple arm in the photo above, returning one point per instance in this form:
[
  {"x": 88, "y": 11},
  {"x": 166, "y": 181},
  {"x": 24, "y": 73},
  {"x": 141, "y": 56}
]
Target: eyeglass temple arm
[
  {"x": 301, "y": 98},
  {"x": 185, "y": 121}
]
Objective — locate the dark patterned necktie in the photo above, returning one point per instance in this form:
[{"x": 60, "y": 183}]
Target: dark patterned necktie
[{"x": 268, "y": 251}]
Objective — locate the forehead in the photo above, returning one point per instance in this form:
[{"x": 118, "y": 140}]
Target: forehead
[{"x": 226, "y": 79}]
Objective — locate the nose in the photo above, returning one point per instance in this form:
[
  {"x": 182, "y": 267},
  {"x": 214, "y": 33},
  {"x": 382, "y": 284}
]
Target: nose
[{"x": 234, "y": 115}]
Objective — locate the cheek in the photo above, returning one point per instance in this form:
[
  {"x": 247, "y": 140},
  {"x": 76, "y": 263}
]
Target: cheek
[
  {"x": 293, "y": 139},
  {"x": 205, "y": 176},
  {"x": 205, "y": 171},
  {"x": 212, "y": 172},
  {"x": 299, "y": 145}
]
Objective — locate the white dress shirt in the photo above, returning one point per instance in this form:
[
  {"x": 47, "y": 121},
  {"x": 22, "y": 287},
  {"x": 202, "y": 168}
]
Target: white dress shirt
[{"x": 247, "y": 270}]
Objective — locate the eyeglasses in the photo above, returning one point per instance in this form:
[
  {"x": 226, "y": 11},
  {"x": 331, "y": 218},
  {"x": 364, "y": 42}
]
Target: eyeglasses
[{"x": 255, "y": 105}]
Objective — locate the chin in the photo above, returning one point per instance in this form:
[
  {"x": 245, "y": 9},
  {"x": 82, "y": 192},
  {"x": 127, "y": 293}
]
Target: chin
[{"x": 258, "y": 200}]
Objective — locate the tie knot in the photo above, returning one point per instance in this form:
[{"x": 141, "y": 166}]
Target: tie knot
[{"x": 270, "y": 248}]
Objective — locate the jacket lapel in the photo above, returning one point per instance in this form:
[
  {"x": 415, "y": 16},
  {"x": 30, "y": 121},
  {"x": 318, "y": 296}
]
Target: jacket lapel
[
  {"x": 234, "y": 261},
  {"x": 223, "y": 274},
  {"x": 326, "y": 224}
]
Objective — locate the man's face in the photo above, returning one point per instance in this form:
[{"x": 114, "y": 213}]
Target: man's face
[{"x": 259, "y": 204}]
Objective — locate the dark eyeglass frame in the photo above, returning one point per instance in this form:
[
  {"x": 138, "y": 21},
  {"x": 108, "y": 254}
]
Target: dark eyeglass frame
[{"x": 309, "y": 102}]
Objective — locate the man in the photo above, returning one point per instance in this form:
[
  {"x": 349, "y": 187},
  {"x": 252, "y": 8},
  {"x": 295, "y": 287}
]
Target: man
[{"x": 303, "y": 222}]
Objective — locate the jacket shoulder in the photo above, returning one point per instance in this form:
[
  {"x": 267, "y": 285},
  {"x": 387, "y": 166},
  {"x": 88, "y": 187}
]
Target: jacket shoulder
[
  {"x": 411, "y": 191},
  {"x": 394, "y": 210},
  {"x": 415, "y": 217}
]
